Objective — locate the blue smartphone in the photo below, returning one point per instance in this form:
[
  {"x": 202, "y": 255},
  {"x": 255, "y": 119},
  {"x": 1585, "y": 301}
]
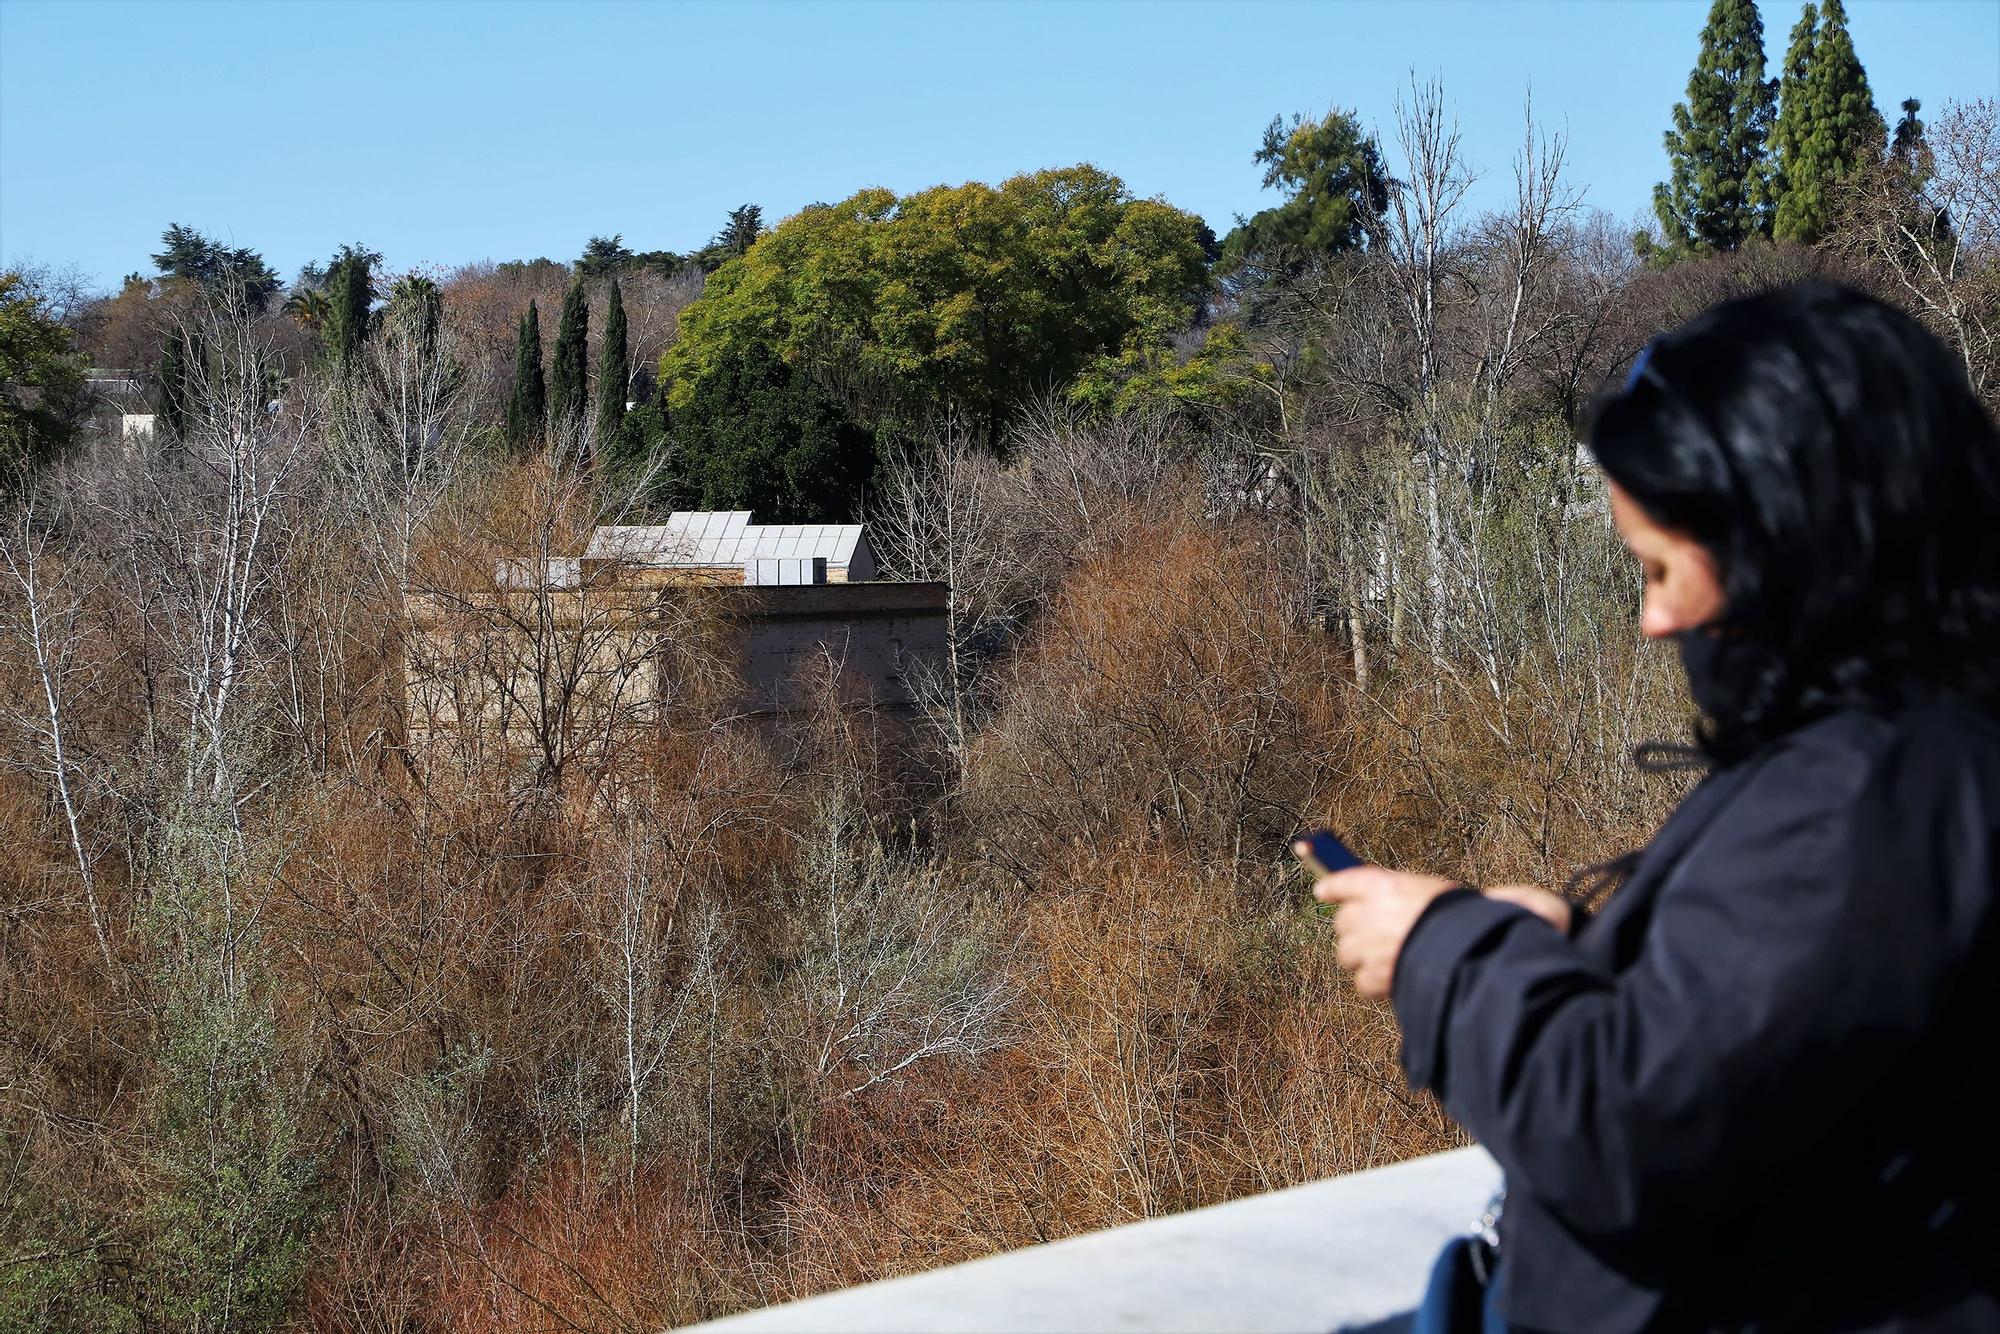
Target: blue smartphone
[{"x": 1323, "y": 853}]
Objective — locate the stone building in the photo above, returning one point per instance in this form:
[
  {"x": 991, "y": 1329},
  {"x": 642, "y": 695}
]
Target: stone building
[{"x": 567, "y": 653}]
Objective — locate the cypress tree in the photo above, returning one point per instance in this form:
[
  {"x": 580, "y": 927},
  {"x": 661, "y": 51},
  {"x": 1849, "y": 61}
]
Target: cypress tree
[
  {"x": 613, "y": 368},
  {"x": 569, "y": 392},
  {"x": 1719, "y": 190},
  {"x": 1829, "y": 125},
  {"x": 527, "y": 405},
  {"x": 174, "y": 384},
  {"x": 347, "y": 320}
]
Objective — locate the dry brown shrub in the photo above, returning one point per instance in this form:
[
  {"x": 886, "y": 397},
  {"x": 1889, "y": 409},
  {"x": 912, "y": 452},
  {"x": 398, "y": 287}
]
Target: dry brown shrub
[
  {"x": 572, "y": 1252},
  {"x": 1164, "y": 698},
  {"x": 601, "y": 1060}
]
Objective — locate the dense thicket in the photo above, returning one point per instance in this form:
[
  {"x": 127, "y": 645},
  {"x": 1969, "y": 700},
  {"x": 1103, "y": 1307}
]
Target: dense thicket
[{"x": 319, "y": 1010}]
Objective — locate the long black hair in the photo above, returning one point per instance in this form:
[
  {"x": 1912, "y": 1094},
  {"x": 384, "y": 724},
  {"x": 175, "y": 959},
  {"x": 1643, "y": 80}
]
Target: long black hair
[{"x": 1830, "y": 455}]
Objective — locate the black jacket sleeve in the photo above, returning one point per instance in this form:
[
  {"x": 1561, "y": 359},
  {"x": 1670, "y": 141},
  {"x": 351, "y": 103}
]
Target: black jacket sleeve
[{"x": 1797, "y": 947}]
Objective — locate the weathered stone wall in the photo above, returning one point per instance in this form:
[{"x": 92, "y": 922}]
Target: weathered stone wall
[
  {"x": 534, "y": 671},
  {"x": 880, "y": 637}
]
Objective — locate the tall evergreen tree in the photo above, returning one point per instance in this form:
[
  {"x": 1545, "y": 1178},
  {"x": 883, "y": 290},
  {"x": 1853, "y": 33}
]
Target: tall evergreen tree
[
  {"x": 239, "y": 276},
  {"x": 603, "y": 255},
  {"x": 1859, "y": 133},
  {"x": 1331, "y": 174},
  {"x": 174, "y": 385},
  {"x": 527, "y": 405},
  {"x": 1829, "y": 125},
  {"x": 614, "y": 367},
  {"x": 1792, "y": 126},
  {"x": 1923, "y": 223},
  {"x": 352, "y": 290},
  {"x": 1719, "y": 191},
  {"x": 570, "y": 372},
  {"x": 745, "y": 225},
  {"x": 183, "y": 370},
  {"x": 1908, "y": 147}
]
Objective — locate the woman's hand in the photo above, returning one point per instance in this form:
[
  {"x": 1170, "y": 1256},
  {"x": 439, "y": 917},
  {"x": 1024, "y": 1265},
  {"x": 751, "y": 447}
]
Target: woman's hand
[
  {"x": 1377, "y": 909},
  {"x": 1555, "y": 911}
]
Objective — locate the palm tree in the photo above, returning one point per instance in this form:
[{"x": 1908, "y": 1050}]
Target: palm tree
[
  {"x": 415, "y": 303},
  {"x": 310, "y": 306}
]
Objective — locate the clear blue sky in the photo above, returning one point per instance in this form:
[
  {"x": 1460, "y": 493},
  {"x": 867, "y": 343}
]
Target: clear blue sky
[{"x": 448, "y": 131}]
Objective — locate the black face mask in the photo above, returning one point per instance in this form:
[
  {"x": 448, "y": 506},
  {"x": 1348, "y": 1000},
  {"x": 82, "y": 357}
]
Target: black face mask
[{"x": 1721, "y": 669}]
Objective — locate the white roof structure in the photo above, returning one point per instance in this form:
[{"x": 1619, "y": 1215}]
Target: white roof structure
[{"x": 727, "y": 537}]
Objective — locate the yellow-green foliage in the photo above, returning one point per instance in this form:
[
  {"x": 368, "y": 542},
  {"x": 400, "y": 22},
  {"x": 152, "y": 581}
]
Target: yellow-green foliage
[{"x": 975, "y": 294}]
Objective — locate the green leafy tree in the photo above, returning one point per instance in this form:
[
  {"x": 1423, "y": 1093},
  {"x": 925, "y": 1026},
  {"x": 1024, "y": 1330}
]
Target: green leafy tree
[
  {"x": 1828, "y": 125},
  {"x": 1719, "y": 191},
  {"x": 614, "y": 366},
  {"x": 972, "y": 295},
  {"x": 1330, "y": 172},
  {"x": 218, "y": 270},
  {"x": 527, "y": 405},
  {"x": 418, "y": 305},
  {"x": 755, "y": 434},
  {"x": 41, "y": 382},
  {"x": 664, "y": 262},
  {"x": 569, "y": 369},
  {"x": 538, "y": 272}
]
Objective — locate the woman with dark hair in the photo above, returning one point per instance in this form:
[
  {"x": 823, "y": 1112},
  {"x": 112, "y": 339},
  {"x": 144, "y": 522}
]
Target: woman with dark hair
[{"x": 1756, "y": 1091}]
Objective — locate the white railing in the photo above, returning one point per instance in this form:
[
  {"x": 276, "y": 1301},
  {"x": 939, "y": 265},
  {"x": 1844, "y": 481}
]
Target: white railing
[{"x": 1332, "y": 1255}]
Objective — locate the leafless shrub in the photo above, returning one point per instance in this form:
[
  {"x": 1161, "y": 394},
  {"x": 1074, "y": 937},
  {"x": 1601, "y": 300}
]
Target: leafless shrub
[{"x": 1932, "y": 231}]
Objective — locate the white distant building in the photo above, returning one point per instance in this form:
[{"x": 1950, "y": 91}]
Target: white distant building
[{"x": 726, "y": 539}]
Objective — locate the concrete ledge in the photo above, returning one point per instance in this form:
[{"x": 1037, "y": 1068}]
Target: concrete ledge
[{"x": 1320, "y": 1257}]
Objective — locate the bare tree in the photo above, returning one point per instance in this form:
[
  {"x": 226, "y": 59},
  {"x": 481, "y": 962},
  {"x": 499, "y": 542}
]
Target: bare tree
[
  {"x": 1934, "y": 229},
  {"x": 937, "y": 517},
  {"x": 657, "y": 939},
  {"x": 49, "y": 621},
  {"x": 1522, "y": 249},
  {"x": 405, "y": 428},
  {"x": 1416, "y": 236},
  {"x": 199, "y": 527},
  {"x": 653, "y": 306},
  {"x": 895, "y": 970},
  {"x": 521, "y": 641}
]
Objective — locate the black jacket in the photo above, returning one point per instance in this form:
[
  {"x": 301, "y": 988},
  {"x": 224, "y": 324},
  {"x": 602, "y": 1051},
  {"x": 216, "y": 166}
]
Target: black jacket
[{"x": 1758, "y": 1090}]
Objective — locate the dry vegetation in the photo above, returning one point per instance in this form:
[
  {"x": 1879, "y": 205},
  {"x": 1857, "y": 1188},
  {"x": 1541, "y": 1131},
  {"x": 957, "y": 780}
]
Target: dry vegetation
[{"x": 666, "y": 1017}]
